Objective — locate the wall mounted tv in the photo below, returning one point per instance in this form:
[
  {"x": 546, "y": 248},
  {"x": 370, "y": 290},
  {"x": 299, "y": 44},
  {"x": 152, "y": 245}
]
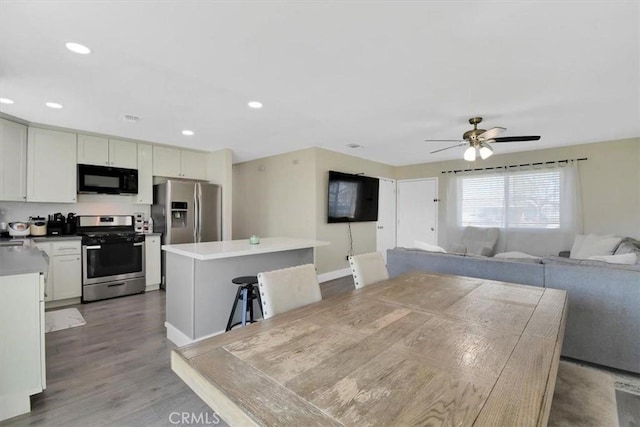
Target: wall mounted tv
[{"x": 352, "y": 198}]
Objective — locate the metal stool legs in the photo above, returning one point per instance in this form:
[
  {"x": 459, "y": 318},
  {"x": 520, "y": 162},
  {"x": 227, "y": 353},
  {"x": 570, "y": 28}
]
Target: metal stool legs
[{"x": 246, "y": 294}]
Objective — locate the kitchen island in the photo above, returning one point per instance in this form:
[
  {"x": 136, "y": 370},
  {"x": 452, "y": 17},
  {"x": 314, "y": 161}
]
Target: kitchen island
[{"x": 198, "y": 279}]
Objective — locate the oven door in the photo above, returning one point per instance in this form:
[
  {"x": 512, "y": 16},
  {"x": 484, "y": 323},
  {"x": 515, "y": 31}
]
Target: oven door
[{"x": 112, "y": 261}]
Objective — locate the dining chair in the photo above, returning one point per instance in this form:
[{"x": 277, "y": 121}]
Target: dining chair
[
  {"x": 288, "y": 288},
  {"x": 367, "y": 269}
]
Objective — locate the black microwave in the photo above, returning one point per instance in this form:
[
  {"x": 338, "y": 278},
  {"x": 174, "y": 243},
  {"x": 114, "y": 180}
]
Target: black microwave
[{"x": 107, "y": 180}]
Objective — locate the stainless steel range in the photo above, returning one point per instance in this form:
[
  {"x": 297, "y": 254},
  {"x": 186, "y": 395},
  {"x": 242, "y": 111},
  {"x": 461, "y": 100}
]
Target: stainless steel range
[{"x": 112, "y": 257}]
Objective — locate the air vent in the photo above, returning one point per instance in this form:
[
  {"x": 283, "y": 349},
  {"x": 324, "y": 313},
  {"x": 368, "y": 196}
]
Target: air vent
[{"x": 130, "y": 118}]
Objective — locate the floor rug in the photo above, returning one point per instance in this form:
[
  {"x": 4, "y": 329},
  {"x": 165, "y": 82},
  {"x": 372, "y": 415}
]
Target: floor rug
[{"x": 63, "y": 319}]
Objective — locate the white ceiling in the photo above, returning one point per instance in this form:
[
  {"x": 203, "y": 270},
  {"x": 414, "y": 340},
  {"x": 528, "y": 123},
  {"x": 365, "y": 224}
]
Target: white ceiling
[{"x": 385, "y": 75}]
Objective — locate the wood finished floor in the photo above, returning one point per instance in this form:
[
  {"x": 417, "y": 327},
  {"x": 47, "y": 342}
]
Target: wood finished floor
[{"x": 115, "y": 371}]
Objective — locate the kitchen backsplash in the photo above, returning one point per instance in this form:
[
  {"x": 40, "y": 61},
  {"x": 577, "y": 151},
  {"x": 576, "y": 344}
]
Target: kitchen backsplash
[{"x": 88, "y": 204}]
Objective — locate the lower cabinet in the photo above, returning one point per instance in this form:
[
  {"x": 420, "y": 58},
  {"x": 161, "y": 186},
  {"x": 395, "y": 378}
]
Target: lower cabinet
[
  {"x": 152, "y": 262},
  {"x": 22, "y": 363},
  {"x": 64, "y": 279}
]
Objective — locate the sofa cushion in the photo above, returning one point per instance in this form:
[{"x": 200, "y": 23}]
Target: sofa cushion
[
  {"x": 588, "y": 263},
  {"x": 593, "y": 244},
  {"x": 629, "y": 258},
  {"x": 629, "y": 245},
  {"x": 427, "y": 247},
  {"x": 477, "y": 241}
]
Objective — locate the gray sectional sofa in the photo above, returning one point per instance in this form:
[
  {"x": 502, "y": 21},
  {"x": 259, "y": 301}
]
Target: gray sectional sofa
[{"x": 603, "y": 321}]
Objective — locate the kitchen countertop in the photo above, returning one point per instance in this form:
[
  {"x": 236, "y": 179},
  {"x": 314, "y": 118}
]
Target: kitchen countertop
[
  {"x": 21, "y": 260},
  {"x": 233, "y": 248},
  {"x": 40, "y": 238}
]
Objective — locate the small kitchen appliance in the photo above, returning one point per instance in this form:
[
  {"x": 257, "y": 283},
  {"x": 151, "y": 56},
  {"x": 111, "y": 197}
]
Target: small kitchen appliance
[
  {"x": 55, "y": 224},
  {"x": 19, "y": 229},
  {"x": 69, "y": 227},
  {"x": 38, "y": 226}
]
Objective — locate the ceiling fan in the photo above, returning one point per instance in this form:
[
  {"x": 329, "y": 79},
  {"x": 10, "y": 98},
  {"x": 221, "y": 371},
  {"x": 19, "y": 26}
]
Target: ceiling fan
[{"x": 479, "y": 139}]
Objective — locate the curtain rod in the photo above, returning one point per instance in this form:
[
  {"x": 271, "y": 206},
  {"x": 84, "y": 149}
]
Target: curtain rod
[{"x": 517, "y": 166}]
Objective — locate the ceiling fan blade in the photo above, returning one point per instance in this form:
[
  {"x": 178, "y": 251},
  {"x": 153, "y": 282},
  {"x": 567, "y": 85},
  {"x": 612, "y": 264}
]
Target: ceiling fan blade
[
  {"x": 517, "y": 138},
  {"x": 491, "y": 133},
  {"x": 444, "y": 140},
  {"x": 446, "y": 148}
]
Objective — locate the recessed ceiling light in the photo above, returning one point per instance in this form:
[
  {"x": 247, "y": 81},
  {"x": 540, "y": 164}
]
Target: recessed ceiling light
[
  {"x": 53, "y": 105},
  {"x": 187, "y": 132},
  {"x": 78, "y": 48},
  {"x": 6, "y": 101},
  {"x": 255, "y": 104}
]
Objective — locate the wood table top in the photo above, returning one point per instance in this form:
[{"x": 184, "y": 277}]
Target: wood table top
[{"x": 419, "y": 349}]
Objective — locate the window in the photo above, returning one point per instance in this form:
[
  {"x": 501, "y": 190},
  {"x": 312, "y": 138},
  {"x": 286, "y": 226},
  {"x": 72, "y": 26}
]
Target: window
[{"x": 512, "y": 200}]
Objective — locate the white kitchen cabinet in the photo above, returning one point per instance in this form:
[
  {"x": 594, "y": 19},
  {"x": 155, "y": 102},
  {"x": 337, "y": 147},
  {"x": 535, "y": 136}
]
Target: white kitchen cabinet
[
  {"x": 67, "y": 270},
  {"x": 166, "y": 162},
  {"x": 152, "y": 262},
  {"x": 175, "y": 163},
  {"x": 13, "y": 161},
  {"x": 64, "y": 279},
  {"x": 22, "y": 362},
  {"x": 145, "y": 174},
  {"x": 95, "y": 150},
  {"x": 123, "y": 154},
  {"x": 194, "y": 164},
  {"x": 51, "y": 166}
]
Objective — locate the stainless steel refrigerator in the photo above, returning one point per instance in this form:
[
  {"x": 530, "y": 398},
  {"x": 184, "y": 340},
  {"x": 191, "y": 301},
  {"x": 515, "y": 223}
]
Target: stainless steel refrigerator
[{"x": 186, "y": 212}]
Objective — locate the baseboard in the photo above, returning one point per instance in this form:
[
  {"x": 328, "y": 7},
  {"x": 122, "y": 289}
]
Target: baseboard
[
  {"x": 180, "y": 339},
  {"x": 332, "y": 275},
  {"x": 152, "y": 287}
]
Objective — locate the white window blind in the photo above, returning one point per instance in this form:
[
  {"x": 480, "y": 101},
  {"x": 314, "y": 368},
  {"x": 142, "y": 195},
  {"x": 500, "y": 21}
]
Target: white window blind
[{"x": 512, "y": 200}]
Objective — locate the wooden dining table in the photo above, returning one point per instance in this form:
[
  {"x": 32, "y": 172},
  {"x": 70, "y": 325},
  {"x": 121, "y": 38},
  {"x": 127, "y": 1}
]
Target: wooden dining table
[{"x": 418, "y": 349}]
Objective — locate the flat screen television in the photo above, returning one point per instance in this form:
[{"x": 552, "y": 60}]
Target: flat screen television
[{"x": 352, "y": 198}]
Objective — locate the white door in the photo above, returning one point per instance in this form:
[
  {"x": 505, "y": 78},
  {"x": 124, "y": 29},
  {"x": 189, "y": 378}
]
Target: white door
[
  {"x": 386, "y": 225},
  {"x": 417, "y": 212}
]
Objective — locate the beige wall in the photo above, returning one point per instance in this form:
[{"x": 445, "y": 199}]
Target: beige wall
[
  {"x": 610, "y": 181},
  {"x": 275, "y": 196}
]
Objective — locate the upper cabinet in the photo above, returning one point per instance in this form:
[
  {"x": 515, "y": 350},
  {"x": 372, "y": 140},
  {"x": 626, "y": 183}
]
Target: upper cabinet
[
  {"x": 51, "y": 166},
  {"x": 95, "y": 150},
  {"x": 13, "y": 161},
  {"x": 176, "y": 163},
  {"x": 145, "y": 174},
  {"x": 194, "y": 165}
]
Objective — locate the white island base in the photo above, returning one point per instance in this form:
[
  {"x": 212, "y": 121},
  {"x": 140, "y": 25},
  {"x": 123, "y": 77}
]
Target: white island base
[{"x": 198, "y": 280}]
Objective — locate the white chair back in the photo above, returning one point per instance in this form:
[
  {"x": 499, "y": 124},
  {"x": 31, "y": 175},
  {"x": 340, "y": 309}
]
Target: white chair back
[
  {"x": 367, "y": 269},
  {"x": 289, "y": 288}
]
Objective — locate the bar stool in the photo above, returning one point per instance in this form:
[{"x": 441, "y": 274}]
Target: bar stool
[{"x": 246, "y": 293}]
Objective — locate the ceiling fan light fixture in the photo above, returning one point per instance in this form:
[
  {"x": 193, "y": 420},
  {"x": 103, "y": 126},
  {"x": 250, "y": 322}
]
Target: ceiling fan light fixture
[
  {"x": 485, "y": 151},
  {"x": 470, "y": 154}
]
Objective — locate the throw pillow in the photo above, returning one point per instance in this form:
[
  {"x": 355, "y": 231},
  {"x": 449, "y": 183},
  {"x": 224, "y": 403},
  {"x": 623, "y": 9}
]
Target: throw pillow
[
  {"x": 577, "y": 243},
  {"x": 596, "y": 245},
  {"x": 629, "y": 258},
  {"x": 428, "y": 247},
  {"x": 458, "y": 248}
]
